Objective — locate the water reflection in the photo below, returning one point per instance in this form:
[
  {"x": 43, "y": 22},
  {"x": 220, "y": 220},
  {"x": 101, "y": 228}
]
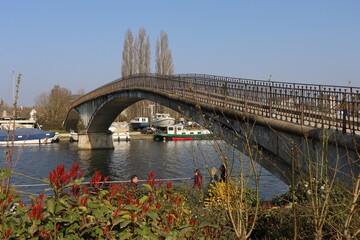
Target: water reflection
[{"x": 166, "y": 159}]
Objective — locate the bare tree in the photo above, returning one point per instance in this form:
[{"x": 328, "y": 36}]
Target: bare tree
[
  {"x": 55, "y": 105},
  {"x": 164, "y": 63},
  {"x": 129, "y": 64},
  {"x": 143, "y": 51}
]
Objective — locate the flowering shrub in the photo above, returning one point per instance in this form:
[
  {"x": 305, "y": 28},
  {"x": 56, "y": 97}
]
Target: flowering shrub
[{"x": 77, "y": 211}]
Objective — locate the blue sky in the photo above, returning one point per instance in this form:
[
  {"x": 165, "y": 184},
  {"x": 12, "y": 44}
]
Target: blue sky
[{"x": 78, "y": 44}]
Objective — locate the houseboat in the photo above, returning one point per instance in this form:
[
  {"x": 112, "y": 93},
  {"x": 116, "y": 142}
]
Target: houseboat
[{"x": 179, "y": 133}]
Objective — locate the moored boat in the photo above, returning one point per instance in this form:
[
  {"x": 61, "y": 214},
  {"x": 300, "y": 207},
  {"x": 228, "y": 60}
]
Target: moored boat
[
  {"x": 120, "y": 131},
  {"x": 162, "y": 120},
  {"x": 179, "y": 133},
  {"x": 27, "y": 136},
  {"x": 139, "y": 122}
]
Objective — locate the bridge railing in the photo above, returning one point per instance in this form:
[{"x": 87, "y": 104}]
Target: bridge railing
[{"x": 333, "y": 107}]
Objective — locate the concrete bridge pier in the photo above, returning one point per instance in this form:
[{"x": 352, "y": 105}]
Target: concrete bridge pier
[{"x": 95, "y": 141}]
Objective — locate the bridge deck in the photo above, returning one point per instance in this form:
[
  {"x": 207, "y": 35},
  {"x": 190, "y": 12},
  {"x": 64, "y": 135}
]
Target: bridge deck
[{"x": 318, "y": 106}]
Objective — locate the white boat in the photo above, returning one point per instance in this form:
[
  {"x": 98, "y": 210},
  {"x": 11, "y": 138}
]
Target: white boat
[
  {"x": 24, "y": 131},
  {"x": 74, "y": 136},
  {"x": 27, "y": 136},
  {"x": 162, "y": 120},
  {"x": 139, "y": 122},
  {"x": 178, "y": 132},
  {"x": 120, "y": 131}
]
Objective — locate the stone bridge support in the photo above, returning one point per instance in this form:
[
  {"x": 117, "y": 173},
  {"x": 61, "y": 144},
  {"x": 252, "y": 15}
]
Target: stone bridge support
[{"x": 95, "y": 141}]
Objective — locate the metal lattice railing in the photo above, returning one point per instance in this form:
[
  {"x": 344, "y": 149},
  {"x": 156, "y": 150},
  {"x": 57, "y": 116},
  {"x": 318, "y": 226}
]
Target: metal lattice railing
[{"x": 332, "y": 107}]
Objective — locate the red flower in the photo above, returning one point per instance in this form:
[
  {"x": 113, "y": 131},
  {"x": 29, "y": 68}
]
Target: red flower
[
  {"x": 177, "y": 200},
  {"x": 96, "y": 180},
  {"x": 114, "y": 189},
  {"x": 58, "y": 178},
  {"x": 75, "y": 191},
  {"x": 84, "y": 189},
  {"x": 35, "y": 211},
  {"x": 83, "y": 201},
  {"x": 168, "y": 185},
  {"x": 151, "y": 179},
  {"x": 160, "y": 182},
  {"x": 193, "y": 222},
  {"x": 36, "y": 208},
  {"x": 171, "y": 220}
]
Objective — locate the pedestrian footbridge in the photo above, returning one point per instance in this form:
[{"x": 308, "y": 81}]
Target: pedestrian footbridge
[{"x": 288, "y": 123}]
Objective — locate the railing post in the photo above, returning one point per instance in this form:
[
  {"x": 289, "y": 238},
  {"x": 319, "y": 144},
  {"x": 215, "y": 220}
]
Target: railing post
[
  {"x": 246, "y": 98},
  {"x": 344, "y": 111},
  {"x": 270, "y": 102},
  {"x": 302, "y": 107}
]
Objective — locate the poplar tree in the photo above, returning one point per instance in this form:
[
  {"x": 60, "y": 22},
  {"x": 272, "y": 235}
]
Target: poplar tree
[
  {"x": 129, "y": 64},
  {"x": 164, "y": 63},
  {"x": 143, "y": 51}
]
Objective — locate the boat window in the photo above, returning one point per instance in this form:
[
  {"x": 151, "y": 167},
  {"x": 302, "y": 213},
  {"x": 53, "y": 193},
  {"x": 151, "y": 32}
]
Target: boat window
[
  {"x": 191, "y": 132},
  {"x": 171, "y": 129},
  {"x": 199, "y": 132},
  {"x": 179, "y": 128}
]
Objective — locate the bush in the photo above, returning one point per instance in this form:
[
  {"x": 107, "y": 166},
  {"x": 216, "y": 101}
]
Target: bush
[{"x": 77, "y": 211}]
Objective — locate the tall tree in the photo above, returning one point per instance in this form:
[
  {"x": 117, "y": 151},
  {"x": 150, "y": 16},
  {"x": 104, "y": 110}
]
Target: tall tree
[
  {"x": 143, "y": 51},
  {"x": 129, "y": 64},
  {"x": 164, "y": 64}
]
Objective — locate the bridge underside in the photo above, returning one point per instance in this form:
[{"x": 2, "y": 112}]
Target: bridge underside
[{"x": 275, "y": 144}]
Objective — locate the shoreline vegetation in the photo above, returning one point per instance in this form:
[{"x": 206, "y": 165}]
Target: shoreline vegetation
[{"x": 162, "y": 210}]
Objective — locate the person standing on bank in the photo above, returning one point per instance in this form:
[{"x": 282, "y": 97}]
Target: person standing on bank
[
  {"x": 223, "y": 175},
  {"x": 133, "y": 181},
  {"x": 214, "y": 176},
  {"x": 197, "y": 179}
]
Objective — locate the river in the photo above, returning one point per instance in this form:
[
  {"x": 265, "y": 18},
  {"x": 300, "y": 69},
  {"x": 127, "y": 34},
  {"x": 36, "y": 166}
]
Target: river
[{"x": 169, "y": 160}]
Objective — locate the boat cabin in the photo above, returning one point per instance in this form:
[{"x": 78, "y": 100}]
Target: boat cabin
[{"x": 179, "y": 129}]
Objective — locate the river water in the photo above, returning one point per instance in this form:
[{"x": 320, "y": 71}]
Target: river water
[{"x": 169, "y": 160}]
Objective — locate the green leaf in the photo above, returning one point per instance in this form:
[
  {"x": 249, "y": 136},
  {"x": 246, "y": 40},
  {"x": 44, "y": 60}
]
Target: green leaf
[
  {"x": 126, "y": 217},
  {"x": 51, "y": 205},
  {"x": 125, "y": 223},
  {"x": 131, "y": 208},
  {"x": 153, "y": 215},
  {"x": 143, "y": 199},
  {"x": 125, "y": 235},
  {"x": 4, "y": 173},
  {"x": 148, "y": 187},
  {"x": 123, "y": 213},
  {"x": 117, "y": 221},
  {"x": 167, "y": 208},
  {"x": 185, "y": 230},
  {"x": 59, "y": 208}
]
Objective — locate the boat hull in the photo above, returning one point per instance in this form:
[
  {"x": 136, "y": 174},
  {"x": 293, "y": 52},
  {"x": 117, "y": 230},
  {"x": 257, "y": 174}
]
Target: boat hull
[
  {"x": 181, "y": 137},
  {"x": 163, "y": 122},
  {"x": 139, "y": 125},
  {"x": 121, "y": 136}
]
